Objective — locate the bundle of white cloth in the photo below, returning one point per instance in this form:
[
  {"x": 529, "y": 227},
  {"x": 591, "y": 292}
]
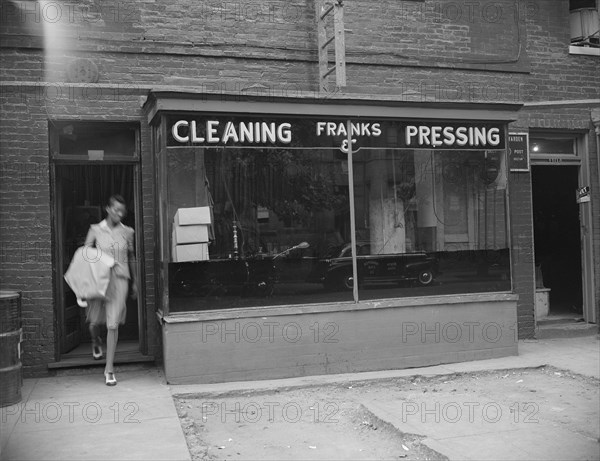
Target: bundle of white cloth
[{"x": 88, "y": 274}]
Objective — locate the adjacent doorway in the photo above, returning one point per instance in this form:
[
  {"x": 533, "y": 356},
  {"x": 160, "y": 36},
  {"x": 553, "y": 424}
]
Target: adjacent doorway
[{"x": 557, "y": 236}]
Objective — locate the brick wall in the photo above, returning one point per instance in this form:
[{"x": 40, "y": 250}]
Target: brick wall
[
  {"x": 419, "y": 51},
  {"x": 25, "y": 220},
  {"x": 434, "y": 50},
  {"x": 522, "y": 257},
  {"x": 26, "y": 207},
  {"x": 148, "y": 216},
  {"x": 555, "y": 74}
]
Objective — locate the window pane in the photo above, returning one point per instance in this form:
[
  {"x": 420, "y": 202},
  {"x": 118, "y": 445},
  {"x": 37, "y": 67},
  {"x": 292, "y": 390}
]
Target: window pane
[
  {"x": 578, "y": 4},
  {"x": 96, "y": 140},
  {"x": 552, "y": 146},
  {"x": 430, "y": 222},
  {"x": 249, "y": 209},
  {"x": 271, "y": 226}
]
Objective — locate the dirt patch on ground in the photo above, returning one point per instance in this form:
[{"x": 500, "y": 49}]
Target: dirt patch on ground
[
  {"x": 334, "y": 422},
  {"x": 313, "y": 423}
]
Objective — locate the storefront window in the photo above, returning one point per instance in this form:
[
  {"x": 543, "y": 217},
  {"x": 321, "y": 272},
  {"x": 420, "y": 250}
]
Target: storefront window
[
  {"x": 264, "y": 218},
  {"x": 264, "y": 225},
  {"x": 430, "y": 222}
]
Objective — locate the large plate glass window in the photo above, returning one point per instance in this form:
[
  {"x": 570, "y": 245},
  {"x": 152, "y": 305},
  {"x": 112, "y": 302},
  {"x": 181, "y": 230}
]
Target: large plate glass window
[{"x": 258, "y": 211}]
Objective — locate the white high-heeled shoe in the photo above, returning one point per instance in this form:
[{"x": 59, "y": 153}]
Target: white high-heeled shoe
[
  {"x": 111, "y": 380},
  {"x": 97, "y": 349}
]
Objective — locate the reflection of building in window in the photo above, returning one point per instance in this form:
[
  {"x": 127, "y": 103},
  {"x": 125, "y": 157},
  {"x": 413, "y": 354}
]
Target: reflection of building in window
[
  {"x": 389, "y": 191},
  {"x": 584, "y": 23},
  {"x": 405, "y": 201},
  {"x": 460, "y": 200}
]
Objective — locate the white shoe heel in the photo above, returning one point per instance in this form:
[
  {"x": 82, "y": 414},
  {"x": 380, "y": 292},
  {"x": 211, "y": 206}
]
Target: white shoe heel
[{"x": 111, "y": 380}]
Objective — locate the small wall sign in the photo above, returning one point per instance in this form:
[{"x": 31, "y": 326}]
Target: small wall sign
[
  {"x": 518, "y": 151},
  {"x": 95, "y": 154},
  {"x": 583, "y": 194}
]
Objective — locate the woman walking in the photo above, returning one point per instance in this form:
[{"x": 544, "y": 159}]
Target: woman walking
[{"x": 115, "y": 239}]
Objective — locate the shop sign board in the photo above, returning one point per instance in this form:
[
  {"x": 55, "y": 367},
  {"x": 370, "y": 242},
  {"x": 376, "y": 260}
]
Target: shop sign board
[
  {"x": 518, "y": 151},
  {"x": 227, "y": 131}
]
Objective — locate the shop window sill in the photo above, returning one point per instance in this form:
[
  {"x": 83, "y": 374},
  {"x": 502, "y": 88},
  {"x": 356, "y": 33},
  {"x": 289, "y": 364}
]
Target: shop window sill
[
  {"x": 584, "y": 50},
  {"x": 336, "y": 307}
]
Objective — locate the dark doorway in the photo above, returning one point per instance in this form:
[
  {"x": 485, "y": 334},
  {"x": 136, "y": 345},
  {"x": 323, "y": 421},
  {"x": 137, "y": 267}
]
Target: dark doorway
[
  {"x": 557, "y": 236},
  {"x": 81, "y": 195}
]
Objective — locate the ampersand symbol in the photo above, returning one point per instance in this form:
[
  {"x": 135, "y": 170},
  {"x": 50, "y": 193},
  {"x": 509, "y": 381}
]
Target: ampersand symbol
[{"x": 344, "y": 147}]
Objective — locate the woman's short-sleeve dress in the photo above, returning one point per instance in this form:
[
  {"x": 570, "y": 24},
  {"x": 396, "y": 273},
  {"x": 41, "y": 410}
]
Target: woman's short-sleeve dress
[{"x": 118, "y": 243}]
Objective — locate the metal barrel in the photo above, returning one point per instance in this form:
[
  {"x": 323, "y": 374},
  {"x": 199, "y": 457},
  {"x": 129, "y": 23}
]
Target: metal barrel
[{"x": 11, "y": 335}]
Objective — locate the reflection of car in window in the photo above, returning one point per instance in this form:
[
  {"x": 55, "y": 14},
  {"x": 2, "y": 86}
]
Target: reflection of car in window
[
  {"x": 251, "y": 276},
  {"x": 335, "y": 270}
]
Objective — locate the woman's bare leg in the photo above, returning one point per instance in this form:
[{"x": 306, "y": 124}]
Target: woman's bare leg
[{"x": 112, "y": 337}]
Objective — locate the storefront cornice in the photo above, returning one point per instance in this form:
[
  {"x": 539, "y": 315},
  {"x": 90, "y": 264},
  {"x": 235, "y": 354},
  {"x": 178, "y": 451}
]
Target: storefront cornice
[{"x": 334, "y": 105}]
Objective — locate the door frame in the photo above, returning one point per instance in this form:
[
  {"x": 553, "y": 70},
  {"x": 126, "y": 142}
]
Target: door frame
[
  {"x": 586, "y": 235},
  {"x": 57, "y": 161},
  {"x": 580, "y": 158}
]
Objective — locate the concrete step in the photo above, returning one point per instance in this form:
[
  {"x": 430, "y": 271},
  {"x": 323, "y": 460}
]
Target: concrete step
[
  {"x": 561, "y": 319},
  {"x": 564, "y": 328}
]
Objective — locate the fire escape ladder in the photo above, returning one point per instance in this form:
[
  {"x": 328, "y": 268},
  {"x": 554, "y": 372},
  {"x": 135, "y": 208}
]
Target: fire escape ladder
[{"x": 328, "y": 13}]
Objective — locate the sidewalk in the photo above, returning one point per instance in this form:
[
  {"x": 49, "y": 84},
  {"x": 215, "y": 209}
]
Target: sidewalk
[{"x": 78, "y": 417}]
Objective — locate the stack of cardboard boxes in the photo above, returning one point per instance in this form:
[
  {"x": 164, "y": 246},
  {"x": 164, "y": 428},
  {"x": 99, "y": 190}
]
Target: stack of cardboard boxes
[{"x": 191, "y": 234}]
